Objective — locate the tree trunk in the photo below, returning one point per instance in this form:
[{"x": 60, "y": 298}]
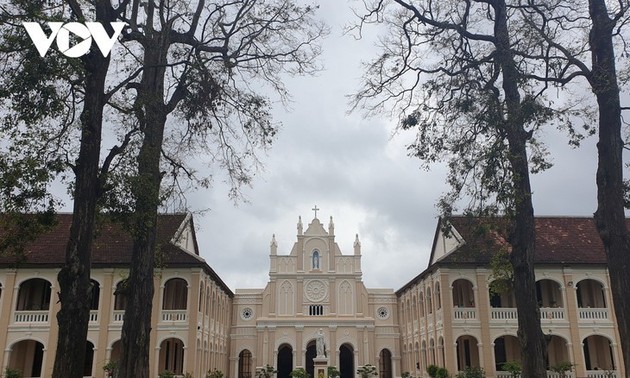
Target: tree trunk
[
  {"x": 523, "y": 232},
  {"x": 136, "y": 329},
  {"x": 610, "y": 218},
  {"x": 74, "y": 277}
]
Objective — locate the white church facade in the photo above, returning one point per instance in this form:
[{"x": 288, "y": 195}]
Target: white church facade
[{"x": 314, "y": 287}]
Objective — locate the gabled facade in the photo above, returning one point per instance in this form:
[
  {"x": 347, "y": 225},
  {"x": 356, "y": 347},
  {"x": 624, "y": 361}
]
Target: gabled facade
[
  {"x": 315, "y": 287},
  {"x": 191, "y": 305},
  {"x": 449, "y": 317}
]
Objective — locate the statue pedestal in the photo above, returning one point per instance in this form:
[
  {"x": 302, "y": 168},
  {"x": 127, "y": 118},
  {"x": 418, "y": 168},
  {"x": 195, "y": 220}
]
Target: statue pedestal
[{"x": 320, "y": 367}]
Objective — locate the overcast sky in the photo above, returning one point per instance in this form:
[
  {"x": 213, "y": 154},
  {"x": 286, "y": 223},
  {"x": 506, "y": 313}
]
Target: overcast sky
[{"x": 355, "y": 170}]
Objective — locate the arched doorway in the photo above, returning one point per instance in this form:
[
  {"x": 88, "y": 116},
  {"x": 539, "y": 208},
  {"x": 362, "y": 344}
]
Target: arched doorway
[
  {"x": 175, "y": 295},
  {"x": 467, "y": 352},
  {"x": 385, "y": 364},
  {"x": 463, "y": 293},
  {"x": 311, "y": 352},
  {"x": 89, "y": 359},
  {"x": 557, "y": 350},
  {"x": 245, "y": 364},
  {"x": 34, "y": 295},
  {"x": 548, "y": 293},
  {"x": 590, "y": 294},
  {"x": 598, "y": 354},
  {"x": 172, "y": 356},
  {"x": 285, "y": 361},
  {"x": 116, "y": 351},
  {"x": 506, "y": 348},
  {"x": 346, "y": 361},
  {"x": 27, "y": 356}
]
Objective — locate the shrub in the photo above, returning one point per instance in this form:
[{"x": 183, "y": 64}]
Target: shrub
[
  {"x": 166, "y": 374},
  {"x": 266, "y": 372},
  {"x": 562, "y": 368},
  {"x": 513, "y": 367},
  {"x": 333, "y": 372},
  {"x": 441, "y": 373},
  {"x": 214, "y": 374},
  {"x": 367, "y": 371},
  {"x": 109, "y": 368},
  {"x": 12, "y": 373},
  {"x": 472, "y": 372},
  {"x": 432, "y": 370},
  {"x": 299, "y": 373}
]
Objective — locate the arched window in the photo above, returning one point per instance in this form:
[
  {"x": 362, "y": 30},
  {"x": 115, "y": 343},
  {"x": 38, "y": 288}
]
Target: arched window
[{"x": 315, "y": 259}]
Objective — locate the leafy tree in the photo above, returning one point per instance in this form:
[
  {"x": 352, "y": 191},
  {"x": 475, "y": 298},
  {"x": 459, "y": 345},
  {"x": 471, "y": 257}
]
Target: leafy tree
[
  {"x": 45, "y": 94},
  {"x": 198, "y": 60},
  {"x": 573, "y": 50},
  {"x": 449, "y": 69}
]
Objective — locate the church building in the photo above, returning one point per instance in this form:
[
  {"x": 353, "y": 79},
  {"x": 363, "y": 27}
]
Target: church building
[{"x": 314, "y": 288}]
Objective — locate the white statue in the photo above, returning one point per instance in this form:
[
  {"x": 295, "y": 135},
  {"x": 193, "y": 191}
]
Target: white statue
[{"x": 320, "y": 345}]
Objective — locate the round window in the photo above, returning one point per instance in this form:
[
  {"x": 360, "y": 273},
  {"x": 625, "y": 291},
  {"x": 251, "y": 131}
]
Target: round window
[{"x": 247, "y": 313}]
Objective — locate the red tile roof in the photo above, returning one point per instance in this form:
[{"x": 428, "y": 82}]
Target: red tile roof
[
  {"x": 112, "y": 246},
  {"x": 559, "y": 241}
]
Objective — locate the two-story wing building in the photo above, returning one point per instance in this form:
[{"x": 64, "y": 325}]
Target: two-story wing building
[{"x": 446, "y": 316}]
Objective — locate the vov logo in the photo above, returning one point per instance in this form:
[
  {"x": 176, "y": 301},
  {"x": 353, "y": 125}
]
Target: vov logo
[{"x": 84, "y": 32}]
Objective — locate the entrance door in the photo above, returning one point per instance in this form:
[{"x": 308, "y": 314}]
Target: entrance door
[
  {"x": 311, "y": 352},
  {"x": 285, "y": 361},
  {"x": 346, "y": 361}
]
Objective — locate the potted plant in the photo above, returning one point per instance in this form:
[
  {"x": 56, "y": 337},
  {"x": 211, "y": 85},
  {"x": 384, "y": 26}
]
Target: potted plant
[
  {"x": 166, "y": 374},
  {"x": 265, "y": 372},
  {"x": 12, "y": 373},
  {"x": 472, "y": 372},
  {"x": 562, "y": 368},
  {"x": 405, "y": 374},
  {"x": 512, "y": 367},
  {"x": 214, "y": 374},
  {"x": 367, "y": 371},
  {"x": 333, "y": 372},
  {"x": 109, "y": 368},
  {"x": 299, "y": 373}
]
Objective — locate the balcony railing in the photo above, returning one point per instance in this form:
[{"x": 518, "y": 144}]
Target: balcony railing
[
  {"x": 555, "y": 313},
  {"x": 31, "y": 316},
  {"x": 119, "y": 315},
  {"x": 174, "y": 315},
  {"x": 602, "y": 374},
  {"x": 503, "y": 314},
  {"x": 464, "y": 313},
  {"x": 551, "y": 374},
  {"x": 93, "y": 316},
  {"x": 593, "y": 313}
]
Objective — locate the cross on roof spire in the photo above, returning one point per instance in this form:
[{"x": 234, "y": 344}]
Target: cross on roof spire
[{"x": 315, "y": 209}]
